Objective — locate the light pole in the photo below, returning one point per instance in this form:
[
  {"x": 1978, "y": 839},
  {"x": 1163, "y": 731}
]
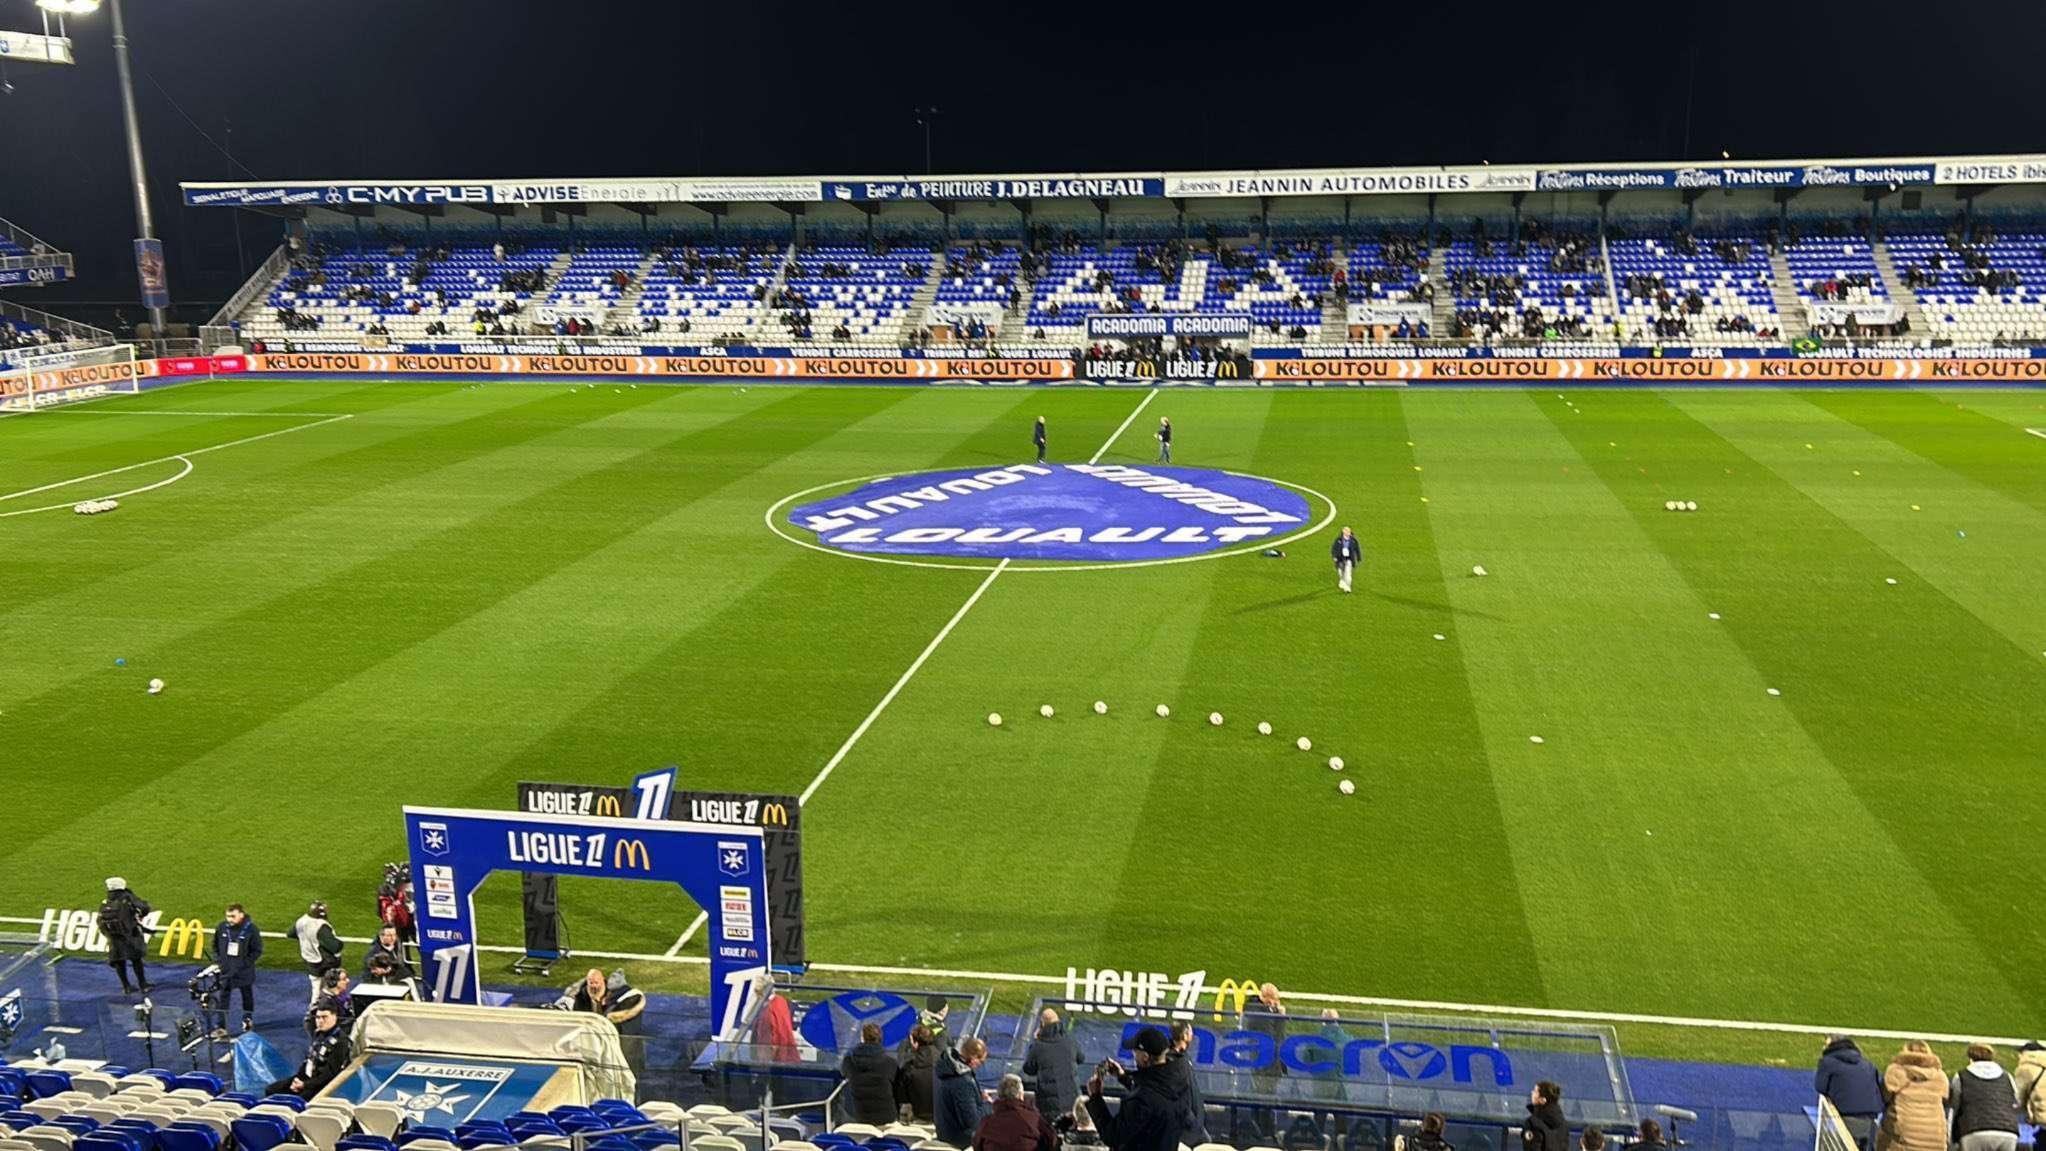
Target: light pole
[{"x": 924, "y": 117}]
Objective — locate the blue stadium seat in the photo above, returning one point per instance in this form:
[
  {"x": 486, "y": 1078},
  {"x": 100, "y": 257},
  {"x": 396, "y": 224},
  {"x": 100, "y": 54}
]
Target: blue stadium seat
[
  {"x": 199, "y": 1080},
  {"x": 47, "y": 1083},
  {"x": 291, "y": 1101},
  {"x": 106, "y": 1141},
  {"x": 169, "y": 1079},
  {"x": 242, "y": 1097},
  {"x": 364, "y": 1143},
  {"x": 76, "y": 1124},
  {"x": 259, "y": 1132},
  {"x": 418, "y": 1131},
  {"x": 183, "y": 1136}
]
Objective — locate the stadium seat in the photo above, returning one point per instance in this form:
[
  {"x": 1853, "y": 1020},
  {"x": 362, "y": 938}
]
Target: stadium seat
[
  {"x": 365, "y": 1143},
  {"x": 44, "y": 1084},
  {"x": 288, "y": 1102},
  {"x": 323, "y": 1128},
  {"x": 95, "y": 1083},
  {"x": 220, "y": 1126},
  {"x": 108, "y": 1139},
  {"x": 188, "y": 1137},
  {"x": 259, "y": 1132},
  {"x": 47, "y": 1138},
  {"x": 424, "y": 1131},
  {"x": 199, "y": 1080},
  {"x": 717, "y": 1143},
  {"x": 379, "y": 1119},
  {"x": 858, "y": 1130}
]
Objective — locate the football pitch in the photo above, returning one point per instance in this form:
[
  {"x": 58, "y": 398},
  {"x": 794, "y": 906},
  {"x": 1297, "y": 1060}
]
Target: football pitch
[{"x": 1781, "y": 758}]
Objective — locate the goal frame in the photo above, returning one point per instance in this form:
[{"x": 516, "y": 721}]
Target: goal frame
[{"x": 42, "y": 380}]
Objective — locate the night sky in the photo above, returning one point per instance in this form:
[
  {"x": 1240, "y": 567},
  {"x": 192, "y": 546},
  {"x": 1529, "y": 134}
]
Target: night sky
[{"x": 472, "y": 89}]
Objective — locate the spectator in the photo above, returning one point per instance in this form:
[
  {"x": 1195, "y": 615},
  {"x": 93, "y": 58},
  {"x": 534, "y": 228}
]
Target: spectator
[
  {"x": 237, "y": 945},
  {"x": 2026, "y": 1079},
  {"x": 1985, "y": 1103},
  {"x": 1196, "y": 1131},
  {"x": 1546, "y": 1129},
  {"x": 1154, "y": 1112},
  {"x": 1053, "y": 1054},
  {"x": 1650, "y": 1137},
  {"x": 326, "y": 1057},
  {"x": 915, "y": 1086},
  {"x": 1854, "y": 1085},
  {"x": 957, "y": 1105},
  {"x": 932, "y": 1019},
  {"x": 1013, "y": 1125},
  {"x": 1915, "y": 1096},
  {"x": 1592, "y": 1139},
  {"x": 1267, "y": 1015},
  {"x": 120, "y": 919},
  {"x": 318, "y": 946},
  {"x": 870, "y": 1078},
  {"x": 1430, "y": 1137},
  {"x": 387, "y": 947}
]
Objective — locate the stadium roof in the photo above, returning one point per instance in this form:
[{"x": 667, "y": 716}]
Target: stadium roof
[{"x": 1767, "y": 174}]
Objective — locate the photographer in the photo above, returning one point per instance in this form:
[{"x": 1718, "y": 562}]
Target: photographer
[
  {"x": 1153, "y": 1115},
  {"x": 318, "y": 946},
  {"x": 388, "y": 948},
  {"x": 237, "y": 945},
  {"x": 325, "y": 1058},
  {"x": 120, "y": 920}
]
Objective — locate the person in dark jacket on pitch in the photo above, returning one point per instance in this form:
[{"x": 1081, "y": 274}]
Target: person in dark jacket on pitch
[
  {"x": 1014, "y": 1125},
  {"x": 1853, "y": 1084},
  {"x": 120, "y": 919},
  {"x": 1153, "y": 1114},
  {"x": 870, "y": 1074},
  {"x": 956, "y": 1103},
  {"x": 237, "y": 945},
  {"x": 1546, "y": 1129},
  {"x": 915, "y": 1082},
  {"x": 1050, "y": 1062},
  {"x": 1196, "y": 1131},
  {"x": 1037, "y": 437},
  {"x": 1347, "y": 553}
]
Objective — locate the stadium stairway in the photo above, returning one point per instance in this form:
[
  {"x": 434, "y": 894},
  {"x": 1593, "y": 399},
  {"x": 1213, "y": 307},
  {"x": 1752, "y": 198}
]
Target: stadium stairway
[
  {"x": 1605, "y": 255},
  {"x": 1783, "y": 287},
  {"x": 1442, "y": 312},
  {"x": 918, "y": 314},
  {"x": 1016, "y": 321},
  {"x": 626, "y": 309},
  {"x": 1335, "y": 314},
  {"x": 1901, "y": 293}
]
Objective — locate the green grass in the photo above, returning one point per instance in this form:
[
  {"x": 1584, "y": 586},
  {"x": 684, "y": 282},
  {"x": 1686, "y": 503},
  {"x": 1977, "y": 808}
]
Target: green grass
[{"x": 463, "y": 587}]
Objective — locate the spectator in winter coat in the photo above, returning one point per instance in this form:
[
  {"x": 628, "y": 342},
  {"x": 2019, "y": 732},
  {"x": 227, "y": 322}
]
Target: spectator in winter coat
[
  {"x": 915, "y": 1083},
  {"x": 956, "y": 1104},
  {"x": 121, "y": 916},
  {"x": 2027, "y": 1079},
  {"x": 1013, "y": 1125},
  {"x": 1985, "y": 1103},
  {"x": 1196, "y": 1131},
  {"x": 1050, "y": 1062},
  {"x": 870, "y": 1075},
  {"x": 237, "y": 945},
  {"x": 1915, "y": 1095},
  {"x": 1153, "y": 1114},
  {"x": 1546, "y": 1129},
  {"x": 1852, "y": 1083}
]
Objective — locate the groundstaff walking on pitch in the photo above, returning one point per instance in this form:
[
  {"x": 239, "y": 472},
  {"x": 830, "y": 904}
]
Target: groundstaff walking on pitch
[{"x": 1347, "y": 553}]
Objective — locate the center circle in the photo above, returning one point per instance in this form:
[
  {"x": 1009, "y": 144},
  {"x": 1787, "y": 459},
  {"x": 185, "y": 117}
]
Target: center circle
[{"x": 1048, "y": 516}]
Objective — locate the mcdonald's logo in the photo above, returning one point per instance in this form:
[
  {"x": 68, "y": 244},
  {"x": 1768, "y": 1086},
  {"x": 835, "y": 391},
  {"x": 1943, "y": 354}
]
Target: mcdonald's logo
[
  {"x": 774, "y": 813},
  {"x": 609, "y": 805},
  {"x": 1226, "y": 370},
  {"x": 1242, "y": 991},
  {"x": 629, "y": 853},
  {"x": 184, "y": 937},
  {"x": 1147, "y": 367}
]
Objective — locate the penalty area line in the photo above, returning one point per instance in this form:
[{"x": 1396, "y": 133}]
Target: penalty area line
[
  {"x": 2040, "y": 432},
  {"x": 851, "y": 741},
  {"x": 175, "y": 456}
]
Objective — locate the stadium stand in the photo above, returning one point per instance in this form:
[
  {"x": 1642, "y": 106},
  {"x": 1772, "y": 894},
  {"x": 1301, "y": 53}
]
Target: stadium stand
[
  {"x": 1984, "y": 290},
  {"x": 405, "y": 294},
  {"x": 847, "y": 293},
  {"x": 1713, "y": 291},
  {"x": 1540, "y": 285},
  {"x": 1833, "y": 268},
  {"x": 711, "y": 293}
]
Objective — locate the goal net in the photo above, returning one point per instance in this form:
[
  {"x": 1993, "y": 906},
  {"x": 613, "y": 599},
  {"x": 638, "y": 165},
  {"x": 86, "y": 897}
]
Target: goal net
[{"x": 46, "y": 379}]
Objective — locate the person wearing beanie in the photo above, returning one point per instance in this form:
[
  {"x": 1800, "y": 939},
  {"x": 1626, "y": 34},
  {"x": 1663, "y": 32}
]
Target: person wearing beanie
[
  {"x": 122, "y": 916},
  {"x": 318, "y": 946}
]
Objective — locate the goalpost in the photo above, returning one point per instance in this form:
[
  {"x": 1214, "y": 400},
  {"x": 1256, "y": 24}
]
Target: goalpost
[{"x": 47, "y": 379}]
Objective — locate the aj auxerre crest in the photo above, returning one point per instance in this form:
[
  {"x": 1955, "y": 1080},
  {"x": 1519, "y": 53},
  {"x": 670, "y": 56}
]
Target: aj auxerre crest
[
  {"x": 443, "y": 1094},
  {"x": 1085, "y": 512}
]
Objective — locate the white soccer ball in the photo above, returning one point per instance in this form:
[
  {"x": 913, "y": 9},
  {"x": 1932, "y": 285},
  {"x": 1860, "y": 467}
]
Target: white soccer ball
[
  {"x": 1045, "y": 711},
  {"x": 1335, "y": 763},
  {"x": 1304, "y": 743},
  {"x": 1215, "y": 718},
  {"x": 994, "y": 719},
  {"x": 1347, "y": 788},
  {"x": 1100, "y": 707},
  {"x": 1478, "y": 569},
  {"x": 155, "y": 685},
  {"x": 1264, "y": 728},
  {"x": 1690, "y": 505},
  {"x": 1163, "y": 711},
  {"x": 1669, "y": 505}
]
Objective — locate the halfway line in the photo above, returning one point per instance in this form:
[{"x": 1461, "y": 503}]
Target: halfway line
[{"x": 831, "y": 765}]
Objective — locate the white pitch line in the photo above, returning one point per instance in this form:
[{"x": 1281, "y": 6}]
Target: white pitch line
[
  {"x": 112, "y": 496},
  {"x": 1317, "y": 997},
  {"x": 177, "y": 456},
  {"x": 2040, "y": 432},
  {"x": 76, "y": 411},
  {"x": 831, "y": 765}
]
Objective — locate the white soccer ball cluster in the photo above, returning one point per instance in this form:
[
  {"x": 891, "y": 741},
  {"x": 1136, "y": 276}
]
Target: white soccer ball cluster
[
  {"x": 1215, "y": 719},
  {"x": 95, "y": 507},
  {"x": 1680, "y": 505}
]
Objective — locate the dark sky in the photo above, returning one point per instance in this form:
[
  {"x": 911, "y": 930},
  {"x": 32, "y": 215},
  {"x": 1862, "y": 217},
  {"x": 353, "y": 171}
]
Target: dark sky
[{"x": 503, "y": 88}]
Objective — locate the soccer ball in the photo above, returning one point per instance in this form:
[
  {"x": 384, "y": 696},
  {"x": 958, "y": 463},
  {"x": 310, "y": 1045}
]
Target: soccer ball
[
  {"x": 1477, "y": 569},
  {"x": 1264, "y": 728},
  {"x": 1163, "y": 711},
  {"x": 155, "y": 686},
  {"x": 1690, "y": 505},
  {"x": 1215, "y": 718},
  {"x": 1335, "y": 763},
  {"x": 1304, "y": 743},
  {"x": 994, "y": 719},
  {"x": 1669, "y": 505},
  {"x": 1100, "y": 707},
  {"x": 1347, "y": 788},
  {"x": 1045, "y": 711}
]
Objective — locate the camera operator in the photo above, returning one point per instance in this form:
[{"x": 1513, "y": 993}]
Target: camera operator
[
  {"x": 387, "y": 948},
  {"x": 318, "y": 946},
  {"x": 325, "y": 1058},
  {"x": 237, "y": 945},
  {"x": 120, "y": 920},
  {"x": 1153, "y": 1115}
]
